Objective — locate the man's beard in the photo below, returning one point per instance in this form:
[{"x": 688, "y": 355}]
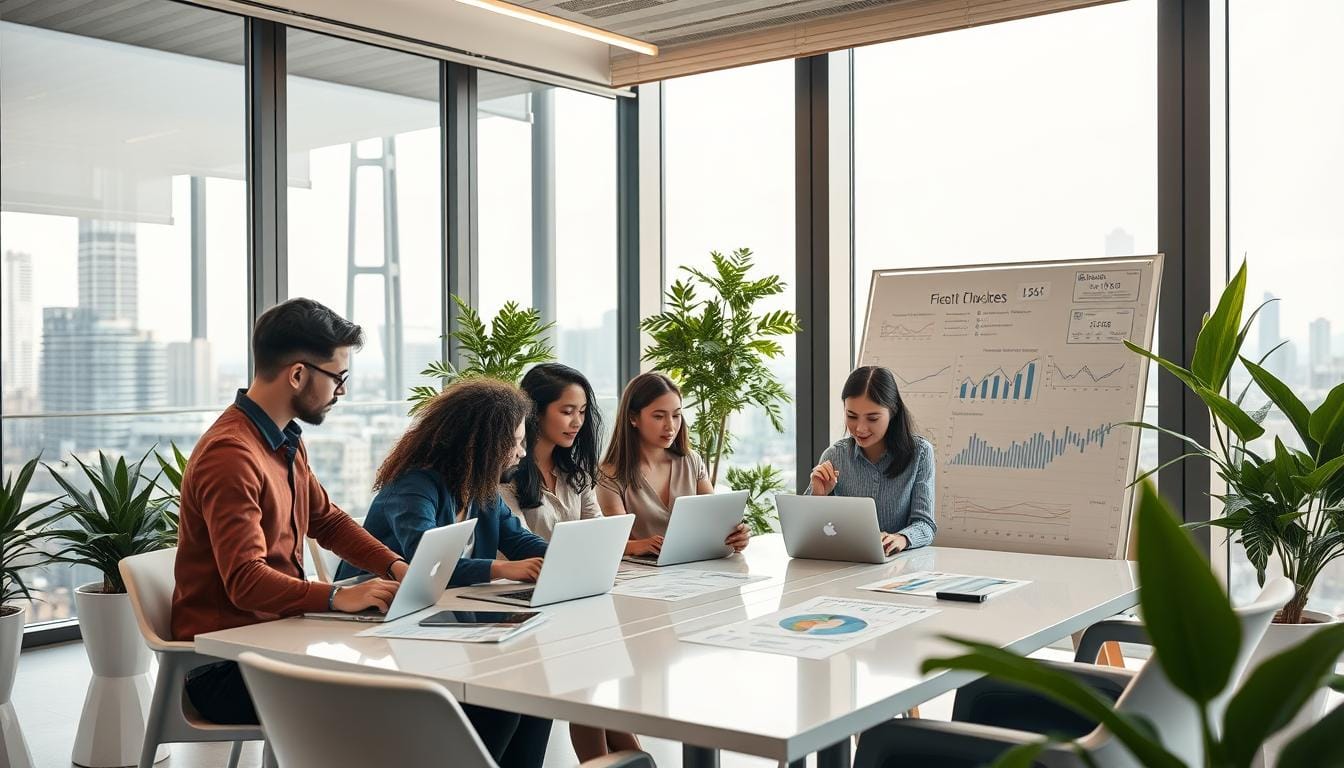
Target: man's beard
[
  {"x": 311, "y": 414},
  {"x": 509, "y": 473}
]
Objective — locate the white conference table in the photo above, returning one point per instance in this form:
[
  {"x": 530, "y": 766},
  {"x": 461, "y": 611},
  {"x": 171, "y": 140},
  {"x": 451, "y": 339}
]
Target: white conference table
[{"x": 621, "y": 662}]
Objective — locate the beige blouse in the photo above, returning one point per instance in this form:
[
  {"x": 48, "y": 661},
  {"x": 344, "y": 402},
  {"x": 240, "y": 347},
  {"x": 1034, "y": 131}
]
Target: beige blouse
[
  {"x": 559, "y": 506},
  {"x": 641, "y": 500}
]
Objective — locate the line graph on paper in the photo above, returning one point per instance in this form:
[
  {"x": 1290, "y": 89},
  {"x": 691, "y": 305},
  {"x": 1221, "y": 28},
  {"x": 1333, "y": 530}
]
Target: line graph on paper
[
  {"x": 1087, "y": 376},
  {"x": 909, "y": 329},
  {"x": 1040, "y": 520}
]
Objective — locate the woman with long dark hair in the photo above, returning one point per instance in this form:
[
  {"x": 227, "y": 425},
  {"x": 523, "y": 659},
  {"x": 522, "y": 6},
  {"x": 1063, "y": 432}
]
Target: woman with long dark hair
[
  {"x": 883, "y": 458},
  {"x": 447, "y": 468},
  {"x": 649, "y": 462},
  {"x": 557, "y": 482}
]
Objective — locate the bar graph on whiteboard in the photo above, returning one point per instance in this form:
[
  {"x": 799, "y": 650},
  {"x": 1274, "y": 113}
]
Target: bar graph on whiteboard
[
  {"x": 1000, "y": 385},
  {"x": 1037, "y": 451}
]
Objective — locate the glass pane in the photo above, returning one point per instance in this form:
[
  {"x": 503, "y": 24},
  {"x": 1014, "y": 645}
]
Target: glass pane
[
  {"x": 365, "y": 235},
  {"x": 1286, "y": 156},
  {"x": 547, "y": 158},
  {"x": 121, "y": 199},
  {"x": 728, "y": 179},
  {"x": 1029, "y": 140}
]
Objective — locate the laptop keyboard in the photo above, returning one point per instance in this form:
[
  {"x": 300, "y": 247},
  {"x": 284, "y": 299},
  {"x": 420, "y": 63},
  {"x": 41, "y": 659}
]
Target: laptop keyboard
[{"x": 522, "y": 594}]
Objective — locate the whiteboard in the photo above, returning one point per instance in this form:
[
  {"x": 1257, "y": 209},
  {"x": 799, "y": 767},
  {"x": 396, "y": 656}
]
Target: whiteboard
[{"x": 1018, "y": 374}]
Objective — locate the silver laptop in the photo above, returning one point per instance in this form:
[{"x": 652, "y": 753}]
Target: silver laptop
[
  {"x": 697, "y": 528},
  {"x": 581, "y": 561},
  {"x": 426, "y": 578},
  {"x": 831, "y": 528}
]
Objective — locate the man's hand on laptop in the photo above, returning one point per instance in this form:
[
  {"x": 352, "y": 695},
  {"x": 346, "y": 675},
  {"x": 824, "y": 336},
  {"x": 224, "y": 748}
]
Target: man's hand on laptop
[
  {"x": 374, "y": 593},
  {"x": 739, "y": 538},
  {"x": 650, "y": 546},
  {"x": 516, "y": 570}
]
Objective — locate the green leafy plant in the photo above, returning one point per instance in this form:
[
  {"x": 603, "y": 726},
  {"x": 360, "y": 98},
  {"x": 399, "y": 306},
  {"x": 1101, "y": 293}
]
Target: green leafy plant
[
  {"x": 716, "y": 348},
  {"x": 1196, "y": 638},
  {"x": 1289, "y": 503},
  {"x": 114, "y": 520},
  {"x": 515, "y": 339},
  {"x": 171, "y": 500},
  {"x": 21, "y": 531},
  {"x": 761, "y": 483}
]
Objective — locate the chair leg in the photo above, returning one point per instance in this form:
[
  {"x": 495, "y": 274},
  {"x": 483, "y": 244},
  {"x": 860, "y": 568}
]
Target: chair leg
[
  {"x": 158, "y": 713},
  {"x": 1111, "y": 656},
  {"x": 267, "y": 756},
  {"x": 235, "y": 752}
]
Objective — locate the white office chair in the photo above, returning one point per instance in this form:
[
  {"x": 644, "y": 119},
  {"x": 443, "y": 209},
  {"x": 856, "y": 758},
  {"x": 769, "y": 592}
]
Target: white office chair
[
  {"x": 402, "y": 720},
  {"x": 325, "y": 562},
  {"x": 172, "y": 719},
  {"x": 1149, "y": 695}
]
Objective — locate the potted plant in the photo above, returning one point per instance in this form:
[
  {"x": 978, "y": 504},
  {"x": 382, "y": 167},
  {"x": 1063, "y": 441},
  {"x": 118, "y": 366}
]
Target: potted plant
[
  {"x": 1287, "y": 504},
  {"x": 119, "y": 517},
  {"x": 1196, "y": 639},
  {"x": 759, "y": 482},
  {"x": 515, "y": 339},
  {"x": 171, "y": 500},
  {"x": 20, "y": 533},
  {"x": 716, "y": 348}
]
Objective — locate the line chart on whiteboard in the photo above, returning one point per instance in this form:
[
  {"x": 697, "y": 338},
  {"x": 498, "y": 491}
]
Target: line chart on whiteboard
[{"x": 1019, "y": 376}]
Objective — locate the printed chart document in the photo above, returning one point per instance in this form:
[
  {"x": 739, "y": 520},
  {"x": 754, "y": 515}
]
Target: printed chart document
[
  {"x": 816, "y": 629},
  {"x": 930, "y": 583},
  {"x": 411, "y": 630},
  {"x": 682, "y": 584}
]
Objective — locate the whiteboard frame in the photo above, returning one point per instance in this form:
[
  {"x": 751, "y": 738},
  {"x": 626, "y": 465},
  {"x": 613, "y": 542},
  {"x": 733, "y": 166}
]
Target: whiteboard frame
[{"x": 1124, "y": 543}]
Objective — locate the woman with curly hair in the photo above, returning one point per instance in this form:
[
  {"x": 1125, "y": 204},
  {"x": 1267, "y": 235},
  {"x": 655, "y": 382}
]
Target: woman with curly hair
[{"x": 447, "y": 468}]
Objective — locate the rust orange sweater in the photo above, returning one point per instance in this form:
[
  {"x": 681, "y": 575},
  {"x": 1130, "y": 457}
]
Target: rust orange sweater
[{"x": 248, "y": 500}]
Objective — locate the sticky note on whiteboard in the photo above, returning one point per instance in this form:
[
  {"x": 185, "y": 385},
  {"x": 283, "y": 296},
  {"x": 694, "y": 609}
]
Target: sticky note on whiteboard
[{"x": 1107, "y": 285}]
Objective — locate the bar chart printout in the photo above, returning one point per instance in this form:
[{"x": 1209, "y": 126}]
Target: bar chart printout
[
  {"x": 1035, "y": 452},
  {"x": 998, "y": 384}
]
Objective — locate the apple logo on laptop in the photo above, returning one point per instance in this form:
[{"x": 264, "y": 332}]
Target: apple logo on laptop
[{"x": 829, "y": 529}]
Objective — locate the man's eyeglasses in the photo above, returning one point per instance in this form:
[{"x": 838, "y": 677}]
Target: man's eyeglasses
[{"x": 339, "y": 378}]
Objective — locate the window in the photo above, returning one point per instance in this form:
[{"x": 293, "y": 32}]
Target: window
[
  {"x": 728, "y": 175},
  {"x": 364, "y": 211},
  {"x": 1031, "y": 140},
  {"x": 547, "y": 201},
  {"x": 1286, "y": 156},
  {"x": 122, "y": 199}
]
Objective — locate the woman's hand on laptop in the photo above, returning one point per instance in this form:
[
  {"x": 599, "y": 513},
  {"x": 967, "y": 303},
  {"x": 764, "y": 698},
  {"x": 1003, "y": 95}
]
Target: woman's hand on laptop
[
  {"x": 650, "y": 546},
  {"x": 374, "y": 593},
  {"x": 516, "y": 570},
  {"x": 824, "y": 477},
  {"x": 894, "y": 542},
  {"x": 739, "y": 538}
]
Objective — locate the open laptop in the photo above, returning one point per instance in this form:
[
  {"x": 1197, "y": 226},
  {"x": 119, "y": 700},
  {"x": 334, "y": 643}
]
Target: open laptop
[
  {"x": 697, "y": 528},
  {"x": 831, "y": 528},
  {"x": 426, "y": 578},
  {"x": 581, "y": 561}
]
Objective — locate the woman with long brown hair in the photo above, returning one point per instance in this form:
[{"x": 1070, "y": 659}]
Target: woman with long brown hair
[
  {"x": 649, "y": 462},
  {"x": 448, "y": 468}
]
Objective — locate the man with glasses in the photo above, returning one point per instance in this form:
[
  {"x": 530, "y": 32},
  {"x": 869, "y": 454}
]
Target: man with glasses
[{"x": 249, "y": 499}]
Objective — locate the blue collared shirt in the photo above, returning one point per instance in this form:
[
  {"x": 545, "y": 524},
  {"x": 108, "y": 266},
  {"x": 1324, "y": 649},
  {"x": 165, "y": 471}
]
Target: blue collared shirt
[{"x": 904, "y": 502}]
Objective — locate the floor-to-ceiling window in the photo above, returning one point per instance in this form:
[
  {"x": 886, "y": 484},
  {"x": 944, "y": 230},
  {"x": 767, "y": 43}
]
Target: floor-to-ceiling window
[
  {"x": 728, "y": 183},
  {"x": 547, "y": 216},
  {"x": 122, "y": 227},
  {"x": 1285, "y": 159},
  {"x": 364, "y": 212},
  {"x": 1030, "y": 140}
]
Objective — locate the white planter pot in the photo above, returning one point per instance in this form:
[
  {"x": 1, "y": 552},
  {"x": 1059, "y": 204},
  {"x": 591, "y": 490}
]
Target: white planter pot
[
  {"x": 1279, "y": 638},
  {"x": 112, "y": 725},
  {"x": 13, "y": 749}
]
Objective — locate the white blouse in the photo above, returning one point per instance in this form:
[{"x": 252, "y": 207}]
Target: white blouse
[{"x": 558, "y": 506}]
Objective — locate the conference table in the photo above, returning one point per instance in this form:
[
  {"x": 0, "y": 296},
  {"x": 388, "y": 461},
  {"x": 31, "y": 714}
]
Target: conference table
[{"x": 624, "y": 662}]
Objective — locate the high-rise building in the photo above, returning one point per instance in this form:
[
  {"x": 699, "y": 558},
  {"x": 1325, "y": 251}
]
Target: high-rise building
[
  {"x": 108, "y": 280},
  {"x": 191, "y": 374},
  {"x": 1318, "y": 346},
  {"x": 94, "y": 364},
  {"x": 1119, "y": 243},
  {"x": 18, "y": 370}
]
